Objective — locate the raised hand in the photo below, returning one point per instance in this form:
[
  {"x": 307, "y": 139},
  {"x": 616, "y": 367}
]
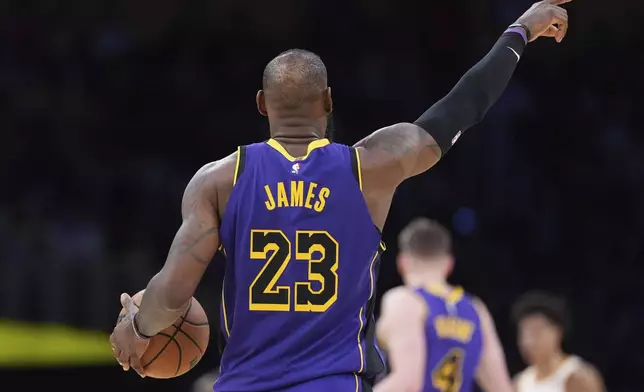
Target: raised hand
[{"x": 546, "y": 19}]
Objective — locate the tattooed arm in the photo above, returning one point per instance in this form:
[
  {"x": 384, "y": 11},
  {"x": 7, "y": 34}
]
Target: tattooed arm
[
  {"x": 166, "y": 296},
  {"x": 398, "y": 152}
]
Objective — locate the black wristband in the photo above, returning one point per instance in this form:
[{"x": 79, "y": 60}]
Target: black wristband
[{"x": 137, "y": 332}]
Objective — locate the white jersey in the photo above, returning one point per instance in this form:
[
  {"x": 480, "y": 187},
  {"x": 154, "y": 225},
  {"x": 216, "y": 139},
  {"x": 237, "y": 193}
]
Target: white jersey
[{"x": 556, "y": 382}]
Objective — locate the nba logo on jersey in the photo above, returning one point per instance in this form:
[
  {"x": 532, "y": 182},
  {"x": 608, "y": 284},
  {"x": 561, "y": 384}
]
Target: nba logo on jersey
[{"x": 295, "y": 169}]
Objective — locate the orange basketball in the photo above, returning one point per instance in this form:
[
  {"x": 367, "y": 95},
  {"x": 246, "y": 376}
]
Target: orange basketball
[{"x": 178, "y": 348}]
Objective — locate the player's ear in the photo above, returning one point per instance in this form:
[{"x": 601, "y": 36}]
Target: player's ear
[
  {"x": 401, "y": 265},
  {"x": 328, "y": 101},
  {"x": 449, "y": 267},
  {"x": 261, "y": 103}
]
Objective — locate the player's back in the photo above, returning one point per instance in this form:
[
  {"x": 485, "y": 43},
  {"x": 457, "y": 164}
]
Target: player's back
[
  {"x": 454, "y": 340},
  {"x": 302, "y": 255}
]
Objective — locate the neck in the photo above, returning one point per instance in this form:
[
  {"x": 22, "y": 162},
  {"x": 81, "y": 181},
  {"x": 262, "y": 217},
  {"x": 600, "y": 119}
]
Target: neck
[
  {"x": 549, "y": 366},
  {"x": 424, "y": 278},
  {"x": 297, "y": 129}
]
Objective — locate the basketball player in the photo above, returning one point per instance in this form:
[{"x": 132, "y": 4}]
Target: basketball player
[
  {"x": 438, "y": 338},
  {"x": 542, "y": 320},
  {"x": 299, "y": 220}
]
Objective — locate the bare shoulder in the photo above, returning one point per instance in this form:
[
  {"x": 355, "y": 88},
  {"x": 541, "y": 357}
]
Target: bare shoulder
[
  {"x": 479, "y": 305},
  {"x": 393, "y": 141},
  {"x": 402, "y": 310},
  {"x": 585, "y": 378},
  {"x": 481, "y": 309},
  {"x": 212, "y": 181},
  {"x": 397, "y": 152},
  {"x": 387, "y": 158},
  {"x": 221, "y": 171},
  {"x": 402, "y": 299}
]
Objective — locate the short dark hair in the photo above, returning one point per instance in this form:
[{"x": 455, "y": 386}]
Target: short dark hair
[
  {"x": 550, "y": 306},
  {"x": 294, "y": 77},
  {"x": 425, "y": 238}
]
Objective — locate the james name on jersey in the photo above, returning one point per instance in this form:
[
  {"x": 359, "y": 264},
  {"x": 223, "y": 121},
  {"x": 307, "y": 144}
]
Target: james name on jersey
[{"x": 304, "y": 194}]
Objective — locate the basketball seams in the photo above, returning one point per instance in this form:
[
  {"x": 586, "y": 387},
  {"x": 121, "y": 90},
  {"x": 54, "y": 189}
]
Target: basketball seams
[
  {"x": 170, "y": 338},
  {"x": 161, "y": 364},
  {"x": 180, "y": 356},
  {"x": 158, "y": 354},
  {"x": 188, "y": 322},
  {"x": 192, "y": 340}
]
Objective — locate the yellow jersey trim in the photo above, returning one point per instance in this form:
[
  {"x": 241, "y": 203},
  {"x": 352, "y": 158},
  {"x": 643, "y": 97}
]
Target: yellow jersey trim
[
  {"x": 359, "y": 341},
  {"x": 359, "y": 168},
  {"x": 452, "y": 297},
  {"x": 223, "y": 307},
  {"x": 237, "y": 165},
  {"x": 371, "y": 290},
  {"x": 312, "y": 146},
  {"x": 371, "y": 282}
]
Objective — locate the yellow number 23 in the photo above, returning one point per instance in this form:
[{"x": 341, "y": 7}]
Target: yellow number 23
[{"x": 274, "y": 248}]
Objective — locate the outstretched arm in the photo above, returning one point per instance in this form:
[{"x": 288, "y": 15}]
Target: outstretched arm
[
  {"x": 492, "y": 372},
  {"x": 166, "y": 296},
  {"x": 401, "y": 331},
  {"x": 405, "y": 150}
]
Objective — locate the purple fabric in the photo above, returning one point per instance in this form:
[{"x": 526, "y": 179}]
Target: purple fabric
[{"x": 518, "y": 30}]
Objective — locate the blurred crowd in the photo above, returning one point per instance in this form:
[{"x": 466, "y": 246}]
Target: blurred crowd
[{"x": 107, "y": 109}]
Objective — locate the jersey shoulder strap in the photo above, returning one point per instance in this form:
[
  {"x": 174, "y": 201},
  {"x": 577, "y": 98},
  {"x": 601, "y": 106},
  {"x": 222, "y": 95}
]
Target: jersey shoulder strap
[
  {"x": 241, "y": 163},
  {"x": 355, "y": 165}
]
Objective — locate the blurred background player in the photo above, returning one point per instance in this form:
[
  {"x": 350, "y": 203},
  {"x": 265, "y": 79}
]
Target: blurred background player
[
  {"x": 205, "y": 382},
  {"x": 437, "y": 337},
  {"x": 542, "y": 320}
]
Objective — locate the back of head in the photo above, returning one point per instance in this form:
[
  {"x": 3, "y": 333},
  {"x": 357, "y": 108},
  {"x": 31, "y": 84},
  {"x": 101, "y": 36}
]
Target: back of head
[
  {"x": 425, "y": 239},
  {"x": 539, "y": 303},
  {"x": 294, "y": 79}
]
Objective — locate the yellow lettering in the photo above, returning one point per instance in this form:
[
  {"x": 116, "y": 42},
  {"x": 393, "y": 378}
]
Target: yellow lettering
[
  {"x": 310, "y": 195},
  {"x": 270, "y": 202},
  {"x": 282, "y": 199},
  {"x": 297, "y": 193},
  {"x": 319, "y": 205},
  {"x": 454, "y": 328}
]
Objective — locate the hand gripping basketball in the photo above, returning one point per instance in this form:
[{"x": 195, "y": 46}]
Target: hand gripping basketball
[
  {"x": 546, "y": 19},
  {"x": 127, "y": 347}
]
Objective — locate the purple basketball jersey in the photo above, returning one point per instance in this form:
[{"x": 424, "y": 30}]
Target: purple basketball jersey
[{"x": 302, "y": 255}]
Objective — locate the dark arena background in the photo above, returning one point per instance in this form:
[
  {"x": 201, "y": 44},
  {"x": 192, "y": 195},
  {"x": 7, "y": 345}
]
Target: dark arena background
[{"x": 107, "y": 108}]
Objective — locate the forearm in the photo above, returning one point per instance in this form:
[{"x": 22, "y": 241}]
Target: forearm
[
  {"x": 397, "y": 383},
  {"x": 156, "y": 312},
  {"x": 476, "y": 92}
]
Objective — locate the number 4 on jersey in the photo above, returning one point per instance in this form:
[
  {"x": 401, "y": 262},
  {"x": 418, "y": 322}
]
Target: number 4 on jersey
[
  {"x": 447, "y": 375},
  {"x": 274, "y": 248}
]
